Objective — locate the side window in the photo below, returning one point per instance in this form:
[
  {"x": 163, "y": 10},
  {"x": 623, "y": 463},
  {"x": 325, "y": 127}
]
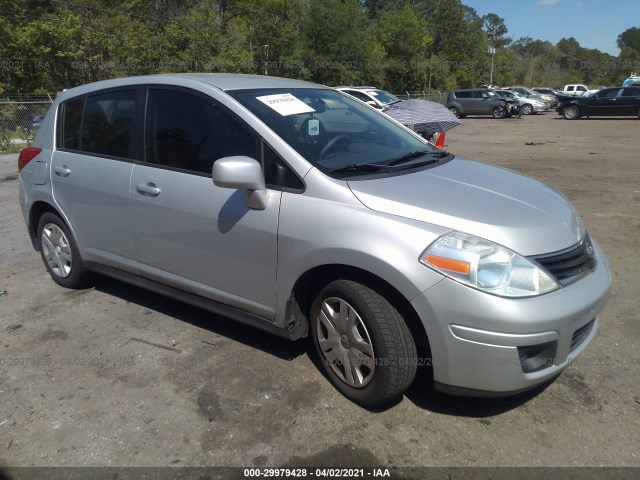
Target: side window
[
  {"x": 608, "y": 93},
  {"x": 108, "y": 122},
  {"x": 277, "y": 173},
  {"x": 463, "y": 94},
  {"x": 71, "y": 124},
  {"x": 631, "y": 92},
  {"x": 570, "y": 88},
  {"x": 186, "y": 131},
  {"x": 580, "y": 88}
]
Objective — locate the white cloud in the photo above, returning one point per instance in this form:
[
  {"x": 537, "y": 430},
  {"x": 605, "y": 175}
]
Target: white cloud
[{"x": 547, "y": 3}]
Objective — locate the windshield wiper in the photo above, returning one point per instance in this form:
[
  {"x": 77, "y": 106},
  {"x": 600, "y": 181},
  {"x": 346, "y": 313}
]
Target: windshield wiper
[
  {"x": 362, "y": 167},
  {"x": 412, "y": 155}
]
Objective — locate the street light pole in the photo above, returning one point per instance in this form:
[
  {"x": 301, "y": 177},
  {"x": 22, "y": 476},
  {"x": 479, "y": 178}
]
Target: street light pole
[{"x": 492, "y": 51}]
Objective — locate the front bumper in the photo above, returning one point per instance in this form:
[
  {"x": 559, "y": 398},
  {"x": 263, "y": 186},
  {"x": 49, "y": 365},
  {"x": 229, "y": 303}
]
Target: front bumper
[
  {"x": 541, "y": 108},
  {"x": 478, "y": 341}
]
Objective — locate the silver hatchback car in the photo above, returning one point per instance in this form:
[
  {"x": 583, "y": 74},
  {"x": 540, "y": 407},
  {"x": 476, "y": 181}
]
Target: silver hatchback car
[{"x": 299, "y": 210}]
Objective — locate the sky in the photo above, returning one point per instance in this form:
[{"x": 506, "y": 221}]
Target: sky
[{"x": 593, "y": 23}]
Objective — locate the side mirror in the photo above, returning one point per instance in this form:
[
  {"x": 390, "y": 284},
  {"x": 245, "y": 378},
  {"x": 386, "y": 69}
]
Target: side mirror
[{"x": 242, "y": 173}]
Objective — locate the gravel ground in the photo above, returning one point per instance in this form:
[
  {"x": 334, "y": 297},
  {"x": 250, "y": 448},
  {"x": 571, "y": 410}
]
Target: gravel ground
[{"x": 117, "y": 376}]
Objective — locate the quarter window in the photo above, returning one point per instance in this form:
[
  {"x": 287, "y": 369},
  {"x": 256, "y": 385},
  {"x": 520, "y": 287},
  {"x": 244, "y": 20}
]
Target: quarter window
[
  {"x": 72, "y": 124},
  {"x": 188, "y": 132}
]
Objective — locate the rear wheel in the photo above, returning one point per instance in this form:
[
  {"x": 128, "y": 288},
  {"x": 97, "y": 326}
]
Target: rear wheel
[
  {"x": 499, "y": 112},
  {"x": 571, "y": 112},
  {"x": 455, "y": 111},
  {"x": 363, "y": 344},
  {"x": 60, "y": 253}
]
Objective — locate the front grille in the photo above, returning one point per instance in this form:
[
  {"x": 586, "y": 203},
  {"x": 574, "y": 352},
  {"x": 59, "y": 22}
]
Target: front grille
[
  {"x": 568, "y": 265},
  {"x": 580, "y": 334}
]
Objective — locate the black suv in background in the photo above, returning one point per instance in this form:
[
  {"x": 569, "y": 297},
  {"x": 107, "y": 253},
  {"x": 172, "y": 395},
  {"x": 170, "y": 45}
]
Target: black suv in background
[
  {"x": 616, "y": 101},
  {"x": 476, "y": 101}
]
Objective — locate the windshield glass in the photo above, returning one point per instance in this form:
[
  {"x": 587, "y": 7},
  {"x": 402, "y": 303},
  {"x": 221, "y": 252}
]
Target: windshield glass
[
  {"x": 384, "y": 97},
  {"x": 331, "y": 130}
]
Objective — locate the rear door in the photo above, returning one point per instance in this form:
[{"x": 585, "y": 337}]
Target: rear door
[
  {"x": 629, "y": 101},
  {"x": 190, "y": 233},
  {"x": 91, "y": 169}
]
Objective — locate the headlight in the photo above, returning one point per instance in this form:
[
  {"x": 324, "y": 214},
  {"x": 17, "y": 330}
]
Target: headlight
[{"x": 487, "y": 266}]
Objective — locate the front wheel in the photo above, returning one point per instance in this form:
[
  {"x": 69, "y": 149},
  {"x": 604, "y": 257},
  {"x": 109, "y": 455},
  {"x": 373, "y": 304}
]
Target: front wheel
[
  {"x": 571, "y": 112},
  {"x": 499, "y": 112},
  {"x": 60, "y": 253},
  {"x": 455, "y": 111},
  {"x": 527, "y": 109},
  {"x": 363, "y": 344}
]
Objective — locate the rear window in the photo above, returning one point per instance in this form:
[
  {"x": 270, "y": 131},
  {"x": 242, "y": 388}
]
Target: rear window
[{"x": 99, "y": 124}]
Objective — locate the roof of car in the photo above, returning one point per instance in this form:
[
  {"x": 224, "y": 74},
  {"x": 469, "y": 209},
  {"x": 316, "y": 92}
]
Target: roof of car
[{"x": 222, "y": 81}]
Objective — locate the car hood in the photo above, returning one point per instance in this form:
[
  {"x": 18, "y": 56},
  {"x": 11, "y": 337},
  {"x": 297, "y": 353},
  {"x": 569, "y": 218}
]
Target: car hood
[{"x": 513, "y": 210}]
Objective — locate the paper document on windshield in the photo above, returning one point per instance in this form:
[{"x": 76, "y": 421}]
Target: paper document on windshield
[{"x": 286, "y": 104}]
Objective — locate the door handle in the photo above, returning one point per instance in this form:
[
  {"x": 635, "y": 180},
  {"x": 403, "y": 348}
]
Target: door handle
[
  {"x": 62, "y": 171},
  {"x": 149, "y": 189}
]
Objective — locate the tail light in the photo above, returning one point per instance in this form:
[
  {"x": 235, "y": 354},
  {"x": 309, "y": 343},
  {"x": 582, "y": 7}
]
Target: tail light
[{"x": 26, "y": 155}]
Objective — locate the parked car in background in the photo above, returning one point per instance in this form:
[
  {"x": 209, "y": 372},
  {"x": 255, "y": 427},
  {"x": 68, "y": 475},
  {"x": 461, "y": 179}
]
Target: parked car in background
[
  {"x": 527, "y": 105},
  {"x": 372, "y": 96},
  {"x": 616, "y": 101},
  {"x": 632, "y": 80},
  {"x": 548, "y": 91},
  {"x": 577, "y": 90},
  {"x": 476, "y": 101},
  {"x": 295, "y": 209},
  {"x": 34, "y": 125},
  {"x": 532, "y": 94}
]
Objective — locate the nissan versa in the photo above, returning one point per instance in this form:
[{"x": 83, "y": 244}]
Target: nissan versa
[{"x": 299, "y": 210}]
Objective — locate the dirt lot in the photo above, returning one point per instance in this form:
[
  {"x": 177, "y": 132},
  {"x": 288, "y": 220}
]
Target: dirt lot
[{"x": 116, "y": 376}]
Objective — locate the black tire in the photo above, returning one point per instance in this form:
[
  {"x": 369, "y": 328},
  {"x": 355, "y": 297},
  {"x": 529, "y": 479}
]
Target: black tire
[
  {"x": 571, "y": 112},
  {"x": 373, "y": 325},
  {"x": 60, "y": 253},
  {"x": 455, "y": 111},
  {"x": 499, "y": 112},
  {"x": 638, "y": 112},
  {"x": 527, "y": 109}
]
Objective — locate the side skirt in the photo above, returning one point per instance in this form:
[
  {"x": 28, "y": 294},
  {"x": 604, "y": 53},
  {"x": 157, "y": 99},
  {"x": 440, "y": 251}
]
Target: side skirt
[{"x": 212, "y": 306}]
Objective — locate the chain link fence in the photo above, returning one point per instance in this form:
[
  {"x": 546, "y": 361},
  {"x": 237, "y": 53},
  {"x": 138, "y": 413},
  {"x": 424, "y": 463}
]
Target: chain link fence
[
  {"x": 19, "y": 121},
  {"x": 438, "y": 97}
]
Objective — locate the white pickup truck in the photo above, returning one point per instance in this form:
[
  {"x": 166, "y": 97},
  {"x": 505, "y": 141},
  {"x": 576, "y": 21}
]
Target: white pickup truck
[{"x": 577, "y": 89}]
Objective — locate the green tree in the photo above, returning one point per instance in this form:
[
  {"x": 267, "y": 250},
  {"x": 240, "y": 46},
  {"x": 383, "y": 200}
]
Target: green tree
[
  {"x": 630, "y": 38},
  {"x": 405, "y": 66}
]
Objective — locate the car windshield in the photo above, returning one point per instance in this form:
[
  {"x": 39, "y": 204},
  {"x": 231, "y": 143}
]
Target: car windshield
[
  {"x": 514, "y": 93},
  {"x": 334, "y": 132},
  {"x": 384, "y": 97}
]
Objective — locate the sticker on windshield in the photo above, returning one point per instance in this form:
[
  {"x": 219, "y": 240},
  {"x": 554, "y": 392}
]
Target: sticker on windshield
[
  {"x": 286, "y": 104},
  {"x": 314, "y": 127}
]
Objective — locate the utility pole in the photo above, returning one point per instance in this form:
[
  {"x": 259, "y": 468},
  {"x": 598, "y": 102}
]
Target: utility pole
[{"x": 492, "y": 51}]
